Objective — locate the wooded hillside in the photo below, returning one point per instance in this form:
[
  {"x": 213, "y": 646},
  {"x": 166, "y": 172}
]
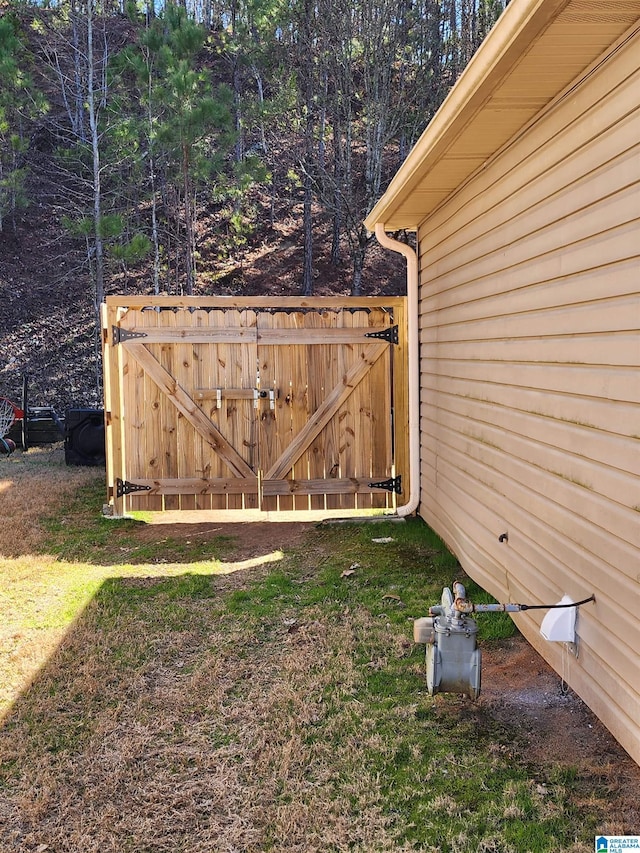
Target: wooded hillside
[{"x": 211, "y": 147}]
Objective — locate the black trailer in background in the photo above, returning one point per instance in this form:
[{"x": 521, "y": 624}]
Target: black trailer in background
[{"x": 81, "y": 429}]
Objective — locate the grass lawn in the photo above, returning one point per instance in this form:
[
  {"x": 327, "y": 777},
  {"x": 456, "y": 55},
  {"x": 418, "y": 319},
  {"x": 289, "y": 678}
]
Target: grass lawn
[{"x": 163, "y": 696}]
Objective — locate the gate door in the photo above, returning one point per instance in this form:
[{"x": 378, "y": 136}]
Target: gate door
[{"x": 277, "y": 405}]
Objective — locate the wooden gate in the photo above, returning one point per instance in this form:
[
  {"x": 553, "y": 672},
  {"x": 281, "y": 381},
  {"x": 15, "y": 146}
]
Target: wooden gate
[{"x": 276, "y": 405}]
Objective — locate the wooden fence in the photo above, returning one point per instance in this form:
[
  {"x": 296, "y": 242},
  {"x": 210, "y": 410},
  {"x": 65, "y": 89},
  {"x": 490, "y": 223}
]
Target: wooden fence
[{"x": 270, "y": 404}]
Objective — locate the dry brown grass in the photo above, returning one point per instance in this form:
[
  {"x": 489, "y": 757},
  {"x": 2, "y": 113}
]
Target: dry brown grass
[
  {"x": 202, "y": 745},
  {"x": 182, "y": 713},
  {"x": 144, "y": 737},
  {"x": 31, "y": 485}
]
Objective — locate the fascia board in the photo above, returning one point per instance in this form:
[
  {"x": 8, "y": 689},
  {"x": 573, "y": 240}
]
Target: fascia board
[{"x": 519, "y": 25}]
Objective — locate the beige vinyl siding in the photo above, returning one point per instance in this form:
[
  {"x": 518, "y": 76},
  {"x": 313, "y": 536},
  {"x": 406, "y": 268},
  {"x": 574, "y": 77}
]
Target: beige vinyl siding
[{"x": 530, "y": 378}]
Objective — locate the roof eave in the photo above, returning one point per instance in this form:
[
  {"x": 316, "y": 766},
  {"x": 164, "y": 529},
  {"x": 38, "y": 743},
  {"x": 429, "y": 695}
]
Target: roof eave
[{"x": 520, "y": 23}]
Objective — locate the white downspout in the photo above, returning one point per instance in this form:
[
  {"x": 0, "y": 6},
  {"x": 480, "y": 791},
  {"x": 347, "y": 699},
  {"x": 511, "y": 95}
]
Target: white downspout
[{"x": 414, "y": 365}]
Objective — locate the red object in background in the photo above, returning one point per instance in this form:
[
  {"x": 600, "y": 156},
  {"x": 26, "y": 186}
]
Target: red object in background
[{"x": 18, "y": 414}]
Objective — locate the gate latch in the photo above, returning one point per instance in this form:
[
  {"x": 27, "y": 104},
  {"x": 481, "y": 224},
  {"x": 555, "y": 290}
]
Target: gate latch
[{"x": 263, "y": 395}]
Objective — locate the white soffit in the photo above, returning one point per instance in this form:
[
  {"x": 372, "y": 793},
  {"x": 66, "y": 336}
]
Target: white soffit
[{"x": 534, "y": 52}]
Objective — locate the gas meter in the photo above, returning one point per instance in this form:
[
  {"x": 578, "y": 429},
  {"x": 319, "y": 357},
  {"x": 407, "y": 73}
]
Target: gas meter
[{"x": 450, "y": 634}]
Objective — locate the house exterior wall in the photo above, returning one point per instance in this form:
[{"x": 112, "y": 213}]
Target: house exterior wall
[{"x": 530, "y": 379}]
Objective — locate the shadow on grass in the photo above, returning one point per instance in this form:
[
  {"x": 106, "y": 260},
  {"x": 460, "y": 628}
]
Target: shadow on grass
[
  {"x": 84, "y": 750},
  {"x": 284, "y": 710},
  {"x": 79, "y": 532}
]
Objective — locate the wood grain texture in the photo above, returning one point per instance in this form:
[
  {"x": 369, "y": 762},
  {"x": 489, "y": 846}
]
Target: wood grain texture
[
  {"x": 186, "y": 407},
  {"x": 277, "y": 405}
]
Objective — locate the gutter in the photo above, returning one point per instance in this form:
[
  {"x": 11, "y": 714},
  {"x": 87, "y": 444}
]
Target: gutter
[{"x": 414, "y": 365}]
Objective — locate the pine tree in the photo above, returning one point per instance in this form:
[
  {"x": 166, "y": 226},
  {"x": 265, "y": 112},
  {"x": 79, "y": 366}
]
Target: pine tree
[
  {"x": 192, "y": 124},
  {"x": 20, "y": 104}
]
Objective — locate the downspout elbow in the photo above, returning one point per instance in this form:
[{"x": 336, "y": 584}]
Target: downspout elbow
[{"x": 413, "y": 367}]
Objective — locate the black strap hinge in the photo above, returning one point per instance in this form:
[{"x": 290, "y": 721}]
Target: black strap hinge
[
  {"x": 393, "y": 484},
  {"x": 118, "y": 335},
  {"x": 390, "y": 335},
  {"x": 124, "y": 487}
]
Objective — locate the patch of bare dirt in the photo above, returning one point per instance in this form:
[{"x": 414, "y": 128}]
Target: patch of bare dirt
[
  {"x": 249, "y": 539},
  {"x": 554, "y": 725}
]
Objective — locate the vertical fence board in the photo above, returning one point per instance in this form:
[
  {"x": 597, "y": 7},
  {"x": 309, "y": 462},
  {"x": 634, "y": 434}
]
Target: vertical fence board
[
  {"x": 315, "y": 355},
  {"x": 148, "y": 400},
  {"x": 282, "y": 386},
  {"x": 299, "y": 411},
  {"x": 249, "y": 364},
  {"x": 231, "y": 412},
  {"x": 167, "y": 443},
  {"x": 201, "y": 379},
  {"x": 346, "y": 417},
  {"x": 360, "y": 402},
  {"x": 187, "y": 437},
  {"x": 114, "y": 416},
  {"x": 265, "y": 416},
  {"x": 223, "y": 416},
  {"x": 141, "y": 419},
  {"x": 381, "y": 423},
  {"x": 331, "y": 456}
]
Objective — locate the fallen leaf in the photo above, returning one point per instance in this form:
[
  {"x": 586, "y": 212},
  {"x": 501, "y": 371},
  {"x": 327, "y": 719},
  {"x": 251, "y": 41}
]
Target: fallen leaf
[{"x": 394, "y": 598}]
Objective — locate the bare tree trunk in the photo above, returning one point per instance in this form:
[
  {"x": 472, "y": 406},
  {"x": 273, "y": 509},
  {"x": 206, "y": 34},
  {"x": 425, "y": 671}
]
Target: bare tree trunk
[
  {"x": 95, "y": 150},
  {"x": 307, "y": 272},
  {"x": 154, "y": 200},
  {"x": 237, "y": 87},
  {"x": 322, "y": 130},
  {"x": 237, "y": 110},
  {"x": 71, "y": 89},
  {"x": 77, "y": 117},
  {"x": 188, "y": 222},
  {"x": 260, "y": 86},
  {"x": 336, "y": 230},
  {"x": 358, "y": 266},
  {"x": 307, "y": 71},
  {"x": 338, "y": 178},
  {"x": 207, "y": 14}
]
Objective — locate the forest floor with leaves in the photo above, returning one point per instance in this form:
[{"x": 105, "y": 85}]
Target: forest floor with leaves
[
  {"x": 47, "y": 326},
  {"x": 256, "y": 688}
]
